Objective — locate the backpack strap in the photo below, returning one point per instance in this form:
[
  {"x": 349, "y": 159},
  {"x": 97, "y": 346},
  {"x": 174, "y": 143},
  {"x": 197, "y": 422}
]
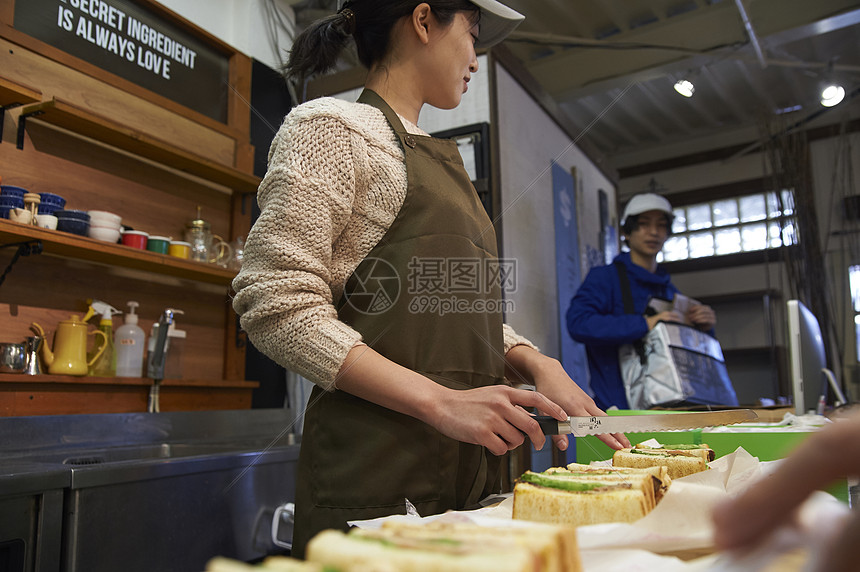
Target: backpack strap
[
  {"x": 626, "y": 291},
  {"x": 627, "y": 297}
]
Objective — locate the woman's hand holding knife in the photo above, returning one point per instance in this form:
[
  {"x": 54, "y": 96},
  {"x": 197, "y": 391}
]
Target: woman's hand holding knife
[
  {"x": 526, "y": 365},
  {"x": 495, "y": 417}
]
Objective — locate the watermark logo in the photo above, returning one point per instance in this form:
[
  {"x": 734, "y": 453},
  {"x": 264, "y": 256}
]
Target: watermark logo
[
  {"x": 443, "y": 276},
  {"x": 444, "y": 305},
  {"x": 436, "y": 286},
  {"x": 460, "y": 285},
  {"x": 377, "y": 289}
]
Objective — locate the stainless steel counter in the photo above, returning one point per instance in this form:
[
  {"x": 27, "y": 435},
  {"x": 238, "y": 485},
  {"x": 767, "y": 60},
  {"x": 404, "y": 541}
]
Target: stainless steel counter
[{"x": 163, "y": 491}]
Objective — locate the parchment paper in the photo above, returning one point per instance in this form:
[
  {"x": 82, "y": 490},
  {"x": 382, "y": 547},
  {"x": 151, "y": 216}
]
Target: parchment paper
[{"x": 681, "y": 525}]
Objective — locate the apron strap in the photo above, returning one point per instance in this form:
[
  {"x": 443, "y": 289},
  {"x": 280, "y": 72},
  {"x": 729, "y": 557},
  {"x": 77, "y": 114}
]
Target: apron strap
[{"x": 370, "y": 97}]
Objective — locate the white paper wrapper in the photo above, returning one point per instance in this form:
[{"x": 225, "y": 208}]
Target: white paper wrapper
[
  {"x": 682, "y": 520},
  {"x": 680, "y": 525}
]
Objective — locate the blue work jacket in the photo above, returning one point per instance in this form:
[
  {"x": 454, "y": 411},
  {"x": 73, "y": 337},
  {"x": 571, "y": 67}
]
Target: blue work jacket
[{"x": 596, "y": 318}]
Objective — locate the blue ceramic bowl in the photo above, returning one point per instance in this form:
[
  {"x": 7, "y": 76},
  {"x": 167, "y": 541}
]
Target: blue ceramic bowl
[
  {"x": 10, "y": 191},
  {"x": 51, "y": 199},
  {"x": 80, "y": 227},
  {"x": 11, "y": 202},
  {"x": 48, "y": 209},
  {"x": 4, "y": 212},
  {"x": 73, "y": 214}
]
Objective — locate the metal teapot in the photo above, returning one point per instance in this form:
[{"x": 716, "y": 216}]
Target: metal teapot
[
  {"x": 32, "y": 347},
  {"x": 69, "y": 356}
]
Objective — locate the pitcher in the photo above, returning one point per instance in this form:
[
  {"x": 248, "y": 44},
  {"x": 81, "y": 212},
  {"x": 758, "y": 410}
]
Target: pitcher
[{"x": 69, "y": 356}]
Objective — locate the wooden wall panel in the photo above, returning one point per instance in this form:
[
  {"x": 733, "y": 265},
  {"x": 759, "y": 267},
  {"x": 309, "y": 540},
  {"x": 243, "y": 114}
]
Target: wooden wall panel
[
  {"x": 239, "y": 107},
  {"x": 149, "y": 197},
  {"x": 56, "y": 80},
  {"x": 93, "y": 177},
  {"x": 62, "y": 288},
  {"x": 19, "y": 399},
  {"x": 26, "y": 399}
]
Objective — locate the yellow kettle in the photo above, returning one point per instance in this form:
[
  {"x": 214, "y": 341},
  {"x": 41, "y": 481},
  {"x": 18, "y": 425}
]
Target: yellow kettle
[{"x": 69, "y": 356}]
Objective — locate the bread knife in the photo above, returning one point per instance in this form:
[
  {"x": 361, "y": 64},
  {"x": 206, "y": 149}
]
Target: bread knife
[{"x": 581, "y": 426}]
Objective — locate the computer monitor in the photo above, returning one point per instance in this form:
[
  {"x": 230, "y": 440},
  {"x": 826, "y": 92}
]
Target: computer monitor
[{"x": 810, "y": 377}]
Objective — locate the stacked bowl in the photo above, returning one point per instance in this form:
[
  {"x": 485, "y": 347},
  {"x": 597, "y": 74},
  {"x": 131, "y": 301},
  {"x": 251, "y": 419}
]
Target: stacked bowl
[
  {"x": 75, "y": 222},
  {"x": 50, "y": 203},
  {"x": 104, "y": 226},
  {"x": 10, "y": 198}
]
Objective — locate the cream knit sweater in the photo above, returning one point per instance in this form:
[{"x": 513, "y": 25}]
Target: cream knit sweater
[{"x": 336, "y": 181}]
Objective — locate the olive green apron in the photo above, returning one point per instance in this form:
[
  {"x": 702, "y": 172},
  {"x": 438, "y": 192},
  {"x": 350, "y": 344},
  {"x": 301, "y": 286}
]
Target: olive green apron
[{"x": 359, "y": 460}]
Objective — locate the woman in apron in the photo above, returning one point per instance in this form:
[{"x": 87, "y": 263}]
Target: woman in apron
[{"x": 372, "y": 271}]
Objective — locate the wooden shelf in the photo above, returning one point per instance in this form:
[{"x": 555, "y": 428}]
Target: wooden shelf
[
  {"x": 105, "y": 130},
  {"x": 91, "y": 250},
  {"x": 13, "y": 94},
  {"x": 66, "y": 395},
  {"x": 123, "y": 381}
]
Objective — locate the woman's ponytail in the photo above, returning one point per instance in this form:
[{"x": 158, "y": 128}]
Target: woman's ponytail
[{"x": 316, "y": 50}]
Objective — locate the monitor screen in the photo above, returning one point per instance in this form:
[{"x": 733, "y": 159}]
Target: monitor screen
[{"x": 807, "y": 358}]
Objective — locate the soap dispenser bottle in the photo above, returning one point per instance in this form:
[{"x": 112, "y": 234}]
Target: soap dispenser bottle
[
  {"x": 130, "y": 346},
  {"x": 105, "y": 365}
]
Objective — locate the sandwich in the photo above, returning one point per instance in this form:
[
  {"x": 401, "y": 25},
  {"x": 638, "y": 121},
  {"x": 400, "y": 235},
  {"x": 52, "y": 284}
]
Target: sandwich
[
  {"x": 432, "y": 547},
  {"x": 680, "y": 460},
  {"x": 553, "y": 548},
  {"x": 444, "y": 547},
  {"x": 660, "y": 473},
  {"x": 577, "y": 497},
  {"x": 657, "y": 471}
]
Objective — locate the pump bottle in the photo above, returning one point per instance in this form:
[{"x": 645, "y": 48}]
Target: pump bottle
[
  {"x": 130, "y": 345},
  {"x": 105, "y": 366}
]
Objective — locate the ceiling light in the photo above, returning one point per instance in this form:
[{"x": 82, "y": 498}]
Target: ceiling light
[
  {"x": 685, "y": 87},
  {"x": 832, "y": 95}
]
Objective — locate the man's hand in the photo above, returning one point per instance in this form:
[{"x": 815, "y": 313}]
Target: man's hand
[{"x": 701, "y": 316}]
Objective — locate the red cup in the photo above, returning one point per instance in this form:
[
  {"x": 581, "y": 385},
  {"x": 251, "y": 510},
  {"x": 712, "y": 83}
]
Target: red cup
[{"x": 135, "y": 239}]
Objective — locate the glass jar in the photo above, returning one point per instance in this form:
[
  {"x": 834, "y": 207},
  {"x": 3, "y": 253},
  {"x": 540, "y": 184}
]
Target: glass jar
[
  {"x": 199, "y": 236},
  {"x": 205, "y": 246}
]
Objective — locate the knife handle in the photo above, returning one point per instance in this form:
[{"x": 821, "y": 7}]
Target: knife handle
[{"x": 549, "y": 425}]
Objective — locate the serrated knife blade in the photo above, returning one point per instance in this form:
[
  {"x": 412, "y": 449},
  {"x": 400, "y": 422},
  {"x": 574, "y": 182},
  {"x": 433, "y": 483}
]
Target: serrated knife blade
[{"x": 582, "y": 426}]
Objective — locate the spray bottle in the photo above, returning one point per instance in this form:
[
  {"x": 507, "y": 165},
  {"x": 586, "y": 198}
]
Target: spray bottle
[
  {"x": 129, "y": 344},
  {"x": 105, "y": 366}
]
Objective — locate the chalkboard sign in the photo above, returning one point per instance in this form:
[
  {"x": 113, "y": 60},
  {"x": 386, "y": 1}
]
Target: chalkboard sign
[{"x": 131, "y": 41}]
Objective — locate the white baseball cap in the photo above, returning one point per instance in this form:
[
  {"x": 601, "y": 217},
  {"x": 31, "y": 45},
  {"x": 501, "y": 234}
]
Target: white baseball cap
[
  {"x": 646, "y": 202},
  {"x": 497, "y": 21}
]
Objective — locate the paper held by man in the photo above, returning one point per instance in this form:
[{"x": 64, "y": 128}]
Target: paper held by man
[{"x": 680, "y": 303}]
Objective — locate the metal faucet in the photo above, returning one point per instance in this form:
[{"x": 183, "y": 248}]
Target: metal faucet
[{"x": 158, "y": 357}]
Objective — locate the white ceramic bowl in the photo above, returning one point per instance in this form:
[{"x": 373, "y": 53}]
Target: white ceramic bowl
[
  {"x": 105, "y": 219},
  {"x": 103, "y": 233},
  {"x": 47, "y": 221}
]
